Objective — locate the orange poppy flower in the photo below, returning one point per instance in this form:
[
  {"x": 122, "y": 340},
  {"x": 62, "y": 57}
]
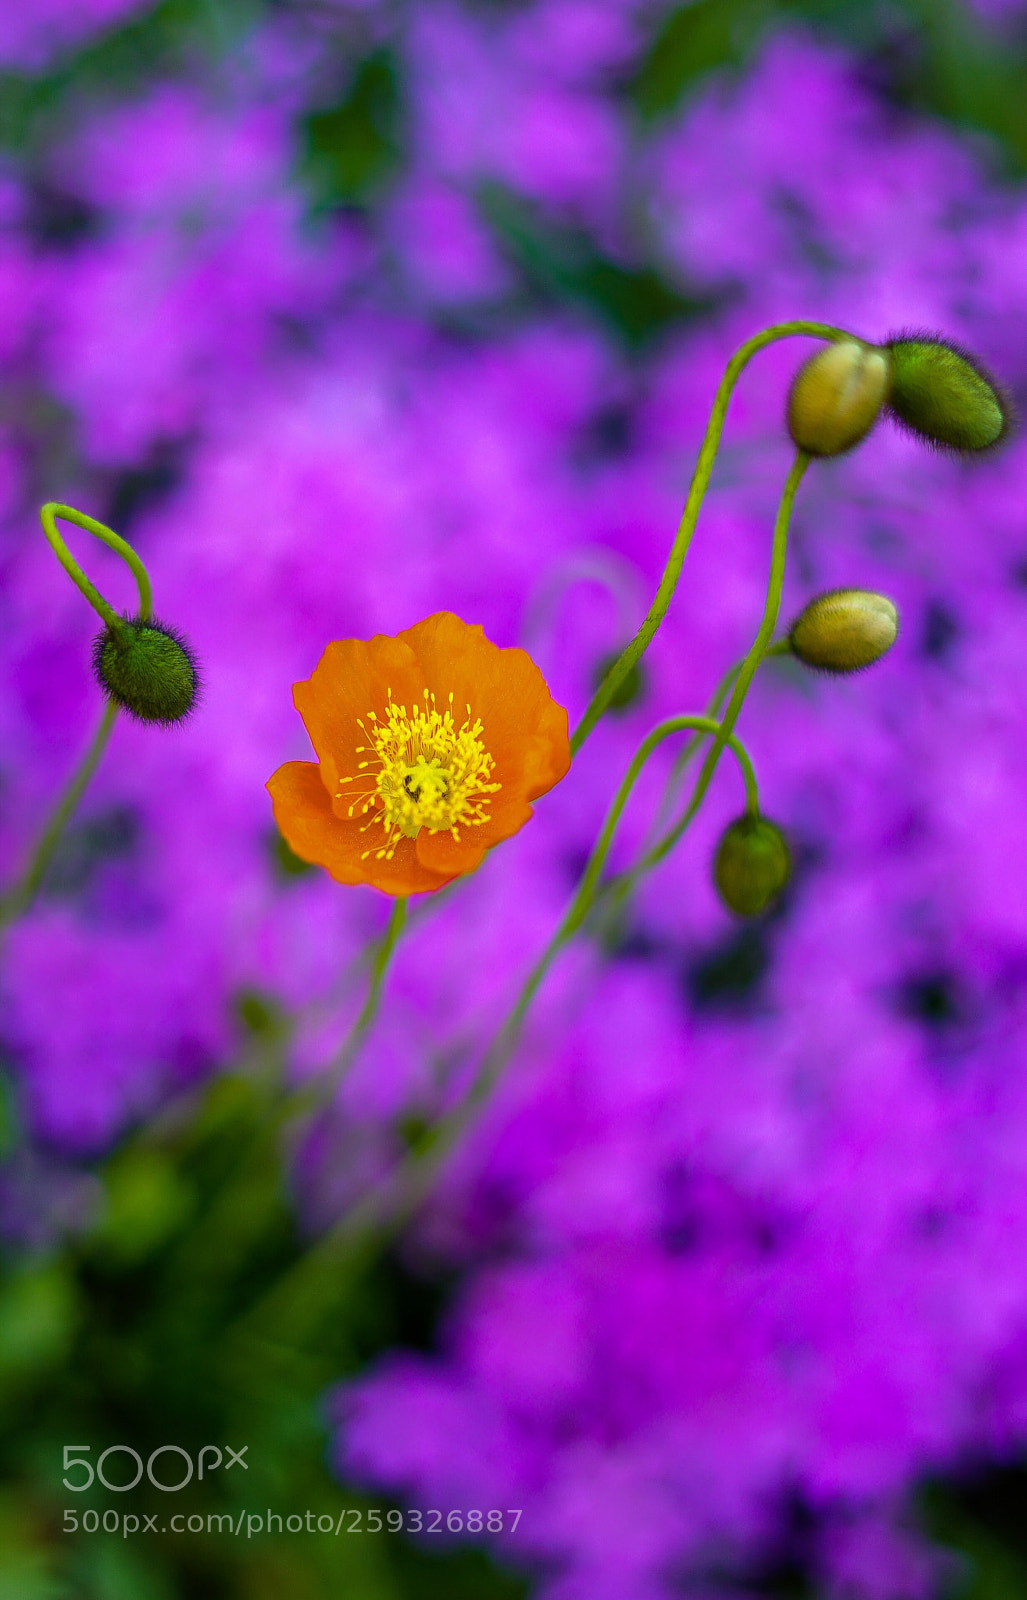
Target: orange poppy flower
[{"x": 430, "y": 747}]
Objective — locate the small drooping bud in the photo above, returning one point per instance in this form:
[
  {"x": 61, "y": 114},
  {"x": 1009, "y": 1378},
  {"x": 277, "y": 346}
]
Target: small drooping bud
[
  {"x": 837, "y": 396},
  {"x": 148, "y": 669},
  {"x": 844, "y": 630},
  {"x": 631, "y": 687},
  {"x": 752, "y": 865},
  {"x": 943, "y": 395}
]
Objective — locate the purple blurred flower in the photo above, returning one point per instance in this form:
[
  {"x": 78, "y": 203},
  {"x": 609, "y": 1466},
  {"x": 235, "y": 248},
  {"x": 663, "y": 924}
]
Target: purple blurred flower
[
  {"x": 491, "y": 100},
  {"x": 181, "y": 297}
]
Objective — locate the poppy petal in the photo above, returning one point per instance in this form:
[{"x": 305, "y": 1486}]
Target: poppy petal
[{"x": 303, "y": 812}]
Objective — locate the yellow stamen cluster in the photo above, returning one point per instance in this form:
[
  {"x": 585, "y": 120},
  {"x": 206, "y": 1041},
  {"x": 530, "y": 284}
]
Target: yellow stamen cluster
[{"x": 431, "y": 775}]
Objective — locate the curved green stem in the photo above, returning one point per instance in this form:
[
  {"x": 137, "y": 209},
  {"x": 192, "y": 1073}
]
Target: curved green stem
[
  {"x": 578, "y": 909},
  {"x": 617, "y": 889},
  {"x": 747, "y": 671},
  {"x": 18, "y": 899},
  {"x": 692, "y": 746},
  {"x": 700, "y": 480},
  {"x": 47, "y": 516}
]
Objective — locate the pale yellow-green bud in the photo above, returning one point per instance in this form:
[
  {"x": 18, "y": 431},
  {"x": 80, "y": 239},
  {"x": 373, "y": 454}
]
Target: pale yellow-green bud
[
  {"x": 752, "y": 864},
  {"x": 837, "y": 396},
  {"x": 844, "y": 630}
]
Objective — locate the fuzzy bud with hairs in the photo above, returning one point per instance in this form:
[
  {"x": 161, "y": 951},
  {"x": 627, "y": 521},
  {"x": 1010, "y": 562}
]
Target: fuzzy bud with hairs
[
  {"x": 943, "y": 395},
  {"x": 147, "y": 668}
]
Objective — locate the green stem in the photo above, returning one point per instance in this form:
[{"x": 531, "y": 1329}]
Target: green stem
[
  {"x": 692, "y": 746},
  {"x": 760, "y": 644},
  {"x": 18, "y": 899},
  {"x": 700, "y": 480},
  {"x": 47, "y": 516},
  {"x": 617, "y": 889},
  {"x": 357, "y": 1034}
]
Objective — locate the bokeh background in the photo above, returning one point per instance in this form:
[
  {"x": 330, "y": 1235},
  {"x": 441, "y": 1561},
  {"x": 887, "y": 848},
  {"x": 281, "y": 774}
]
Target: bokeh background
[{"x": 344, "y": 312}]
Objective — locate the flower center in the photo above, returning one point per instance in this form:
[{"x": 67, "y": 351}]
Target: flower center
[{"x": 431, "y": 774}]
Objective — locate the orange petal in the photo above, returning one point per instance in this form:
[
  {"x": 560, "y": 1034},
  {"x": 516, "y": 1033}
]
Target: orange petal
[
  {"x": 303, "y": 811},
  {"x": 351, "y": 679},
  {"x": 439, "y": 852},
  {"x": 547, "y": 757}
]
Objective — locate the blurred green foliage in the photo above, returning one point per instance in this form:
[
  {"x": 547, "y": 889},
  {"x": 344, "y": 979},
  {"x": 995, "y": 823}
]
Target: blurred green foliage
[
  {"x": 934, "y": 57},
  {"x": 350, "y": 149},
  {"x": 191, "y": 1312}
]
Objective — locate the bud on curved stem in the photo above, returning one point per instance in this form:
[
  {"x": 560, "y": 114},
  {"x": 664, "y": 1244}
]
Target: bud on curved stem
[
  {"x": 752, "y": 864},
  {"x": 682, "y": 539},
  {"x": 144, "y": 666},
  {"x": 618, "y": 888},
  {"x": 579, "y": 907},
  {"x": 837, "y": 396},
  {"x": 740, "y": 677},
  {"x": 844, "y": 630},
  {"x": 943, "y": 395}
]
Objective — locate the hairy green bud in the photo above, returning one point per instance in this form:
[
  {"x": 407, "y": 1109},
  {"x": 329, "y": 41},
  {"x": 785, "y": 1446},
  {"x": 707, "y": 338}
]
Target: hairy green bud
[
  {"x": 844, "y": 630},
  {"x": 148, "y": 669},
  {"x": 837, "y": 396},
  {"x": 943, "y": 395},
  {"x": 752, "y": 865}
]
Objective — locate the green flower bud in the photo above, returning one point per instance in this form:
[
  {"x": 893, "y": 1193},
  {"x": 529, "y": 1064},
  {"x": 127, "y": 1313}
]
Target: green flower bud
[
  {"x": 844, "y": 630},
  {"x": 148, "y": 669},
  {"x": 837, "y": 396},
  {"x": 752, "y": 865},
  {"x": 631, "y": 687},
  {"x": 942, "y": 394}
]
